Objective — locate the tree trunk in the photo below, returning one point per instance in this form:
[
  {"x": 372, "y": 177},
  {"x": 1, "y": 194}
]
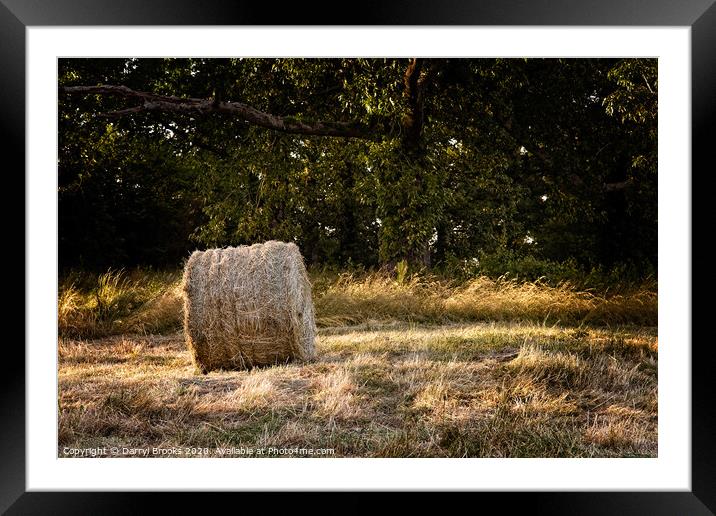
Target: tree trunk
[
  {"x": 348, "y": 237},
  {"x": 441, "y": 243},
  {"x": 417, "y": 254}
]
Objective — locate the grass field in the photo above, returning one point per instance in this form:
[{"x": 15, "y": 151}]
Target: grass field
[{"x": 426, "y": 367}]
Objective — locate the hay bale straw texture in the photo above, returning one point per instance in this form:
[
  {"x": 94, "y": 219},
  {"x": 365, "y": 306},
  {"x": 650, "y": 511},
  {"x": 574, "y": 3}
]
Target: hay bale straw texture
[{"x": 248, "y": 306}]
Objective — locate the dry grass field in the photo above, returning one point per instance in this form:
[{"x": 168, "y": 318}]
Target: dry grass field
[{"x": 422, "y": 368}]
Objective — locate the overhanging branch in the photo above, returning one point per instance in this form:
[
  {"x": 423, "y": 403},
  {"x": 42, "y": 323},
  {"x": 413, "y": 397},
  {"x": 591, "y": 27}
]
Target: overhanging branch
[{"x": 167, "y": 103}]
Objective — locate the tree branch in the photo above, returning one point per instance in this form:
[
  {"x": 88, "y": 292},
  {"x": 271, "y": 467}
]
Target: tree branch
[
  {"x": 621, "y": 185},
  {"x": 167, "y": 103}
]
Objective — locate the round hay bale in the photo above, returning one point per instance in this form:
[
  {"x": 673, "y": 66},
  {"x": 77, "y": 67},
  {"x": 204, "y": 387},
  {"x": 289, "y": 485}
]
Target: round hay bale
[{"x": 248, "y": 306}]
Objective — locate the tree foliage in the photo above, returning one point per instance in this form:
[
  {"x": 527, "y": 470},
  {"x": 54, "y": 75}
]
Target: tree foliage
[{"x": 442, "y": 160}]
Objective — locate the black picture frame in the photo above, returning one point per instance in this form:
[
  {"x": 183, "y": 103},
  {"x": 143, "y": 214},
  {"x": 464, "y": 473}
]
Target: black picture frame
[{"x": 700, "y": 15}]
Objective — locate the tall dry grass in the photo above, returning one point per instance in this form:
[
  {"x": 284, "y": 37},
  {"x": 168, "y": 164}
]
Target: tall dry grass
[
  {"x": 142, "y": 301},
  {"x": 351, "y": 300},
  {"x": 118, "y": 301}
]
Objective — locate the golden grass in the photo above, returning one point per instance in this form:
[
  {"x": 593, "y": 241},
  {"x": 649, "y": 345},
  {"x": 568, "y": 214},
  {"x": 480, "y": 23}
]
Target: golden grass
[
  {"x": 140, "y": 302},
  {"x": 398, "y": 390},
  {"x": 335, "y": 395},
  {"x": 420, "y": 367},
  {"x": 351, "y": 300},
  {"x": 119, "y": 302}
]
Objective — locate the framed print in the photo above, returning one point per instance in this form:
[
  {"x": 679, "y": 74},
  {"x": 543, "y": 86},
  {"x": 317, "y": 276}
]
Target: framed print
[{"x": 435, "y": 249}]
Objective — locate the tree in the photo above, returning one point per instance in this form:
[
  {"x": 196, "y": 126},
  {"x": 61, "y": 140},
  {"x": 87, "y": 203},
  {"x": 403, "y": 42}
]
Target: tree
[{"x": 377, "y": 160}]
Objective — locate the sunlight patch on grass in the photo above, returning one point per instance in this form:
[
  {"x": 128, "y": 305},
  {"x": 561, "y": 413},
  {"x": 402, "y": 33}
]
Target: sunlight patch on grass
[{"x": 336, "y": 395}]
